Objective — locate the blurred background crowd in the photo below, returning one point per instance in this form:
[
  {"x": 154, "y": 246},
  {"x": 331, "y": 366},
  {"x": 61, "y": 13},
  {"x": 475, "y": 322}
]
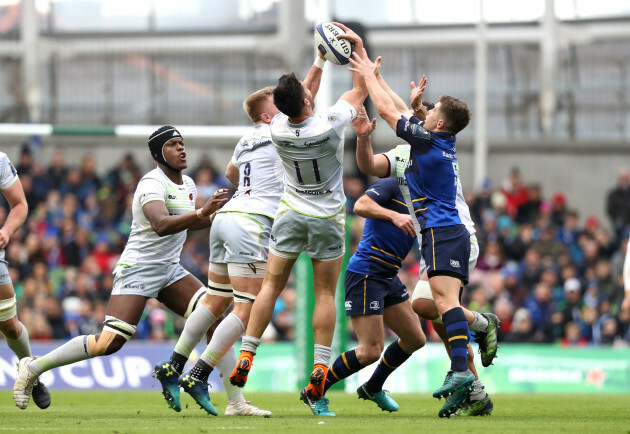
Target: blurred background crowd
[{"x": 550, "y": 274}]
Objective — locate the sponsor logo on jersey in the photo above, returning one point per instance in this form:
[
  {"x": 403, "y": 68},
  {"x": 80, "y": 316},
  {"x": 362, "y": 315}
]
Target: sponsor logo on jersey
[
  {"x": 13, "y": 170},
  {"x": 373, "y": 191},
  {"x": 313, "y": 193},
  {"x": 447, "y": 155},
  {"x": 455, "y": 264},
  {"x": 348, "y": 305},
  {"x": 374, "y": 305},
  {"x": 246, "y": 254},
  {"x": 332, "y": 249},
  {"x": 172, "y": 196},
  {"x": 317, "y": 142}
]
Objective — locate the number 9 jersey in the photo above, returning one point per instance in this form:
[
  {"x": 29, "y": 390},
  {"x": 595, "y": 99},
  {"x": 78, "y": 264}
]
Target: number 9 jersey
[
  {"x": 260, "y": 175},
  {"x": 312, "y": 155}
]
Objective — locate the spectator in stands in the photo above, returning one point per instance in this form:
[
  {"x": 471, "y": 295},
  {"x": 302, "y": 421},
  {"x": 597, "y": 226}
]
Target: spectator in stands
[
  {"x": 618, "y": 202},
  {"x": 515, "y": 192}
]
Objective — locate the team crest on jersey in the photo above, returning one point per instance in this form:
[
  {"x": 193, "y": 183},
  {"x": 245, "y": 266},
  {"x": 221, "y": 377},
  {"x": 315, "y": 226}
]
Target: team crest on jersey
[
  {"x": 348, "y": 305},
  {"x": 455, "y": 264},
  {"x": 190, "y": 196}
]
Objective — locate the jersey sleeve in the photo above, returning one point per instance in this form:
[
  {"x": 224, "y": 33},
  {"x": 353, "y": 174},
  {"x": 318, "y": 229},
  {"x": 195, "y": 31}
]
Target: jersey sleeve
[
  {"x": 233, "y": 159},
  {"x": 383, "y": 191},
  {"x": 414, "y": 134},
  {"x": 340, "y": 115},
  {"x": 8, "y": 174},
  {"x": 391, "y": 159},
  {"x": 150, "y": 189}
]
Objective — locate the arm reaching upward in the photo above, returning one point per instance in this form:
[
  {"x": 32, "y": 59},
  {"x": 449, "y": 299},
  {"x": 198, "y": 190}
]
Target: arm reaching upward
[
  {"x": 359, "y": 92},
  {"x": 370, "y": 164},
  {"x": 398, "y": 101},
  {"x": 314, "y": 76},
  {"x": 362, "y": 65}
]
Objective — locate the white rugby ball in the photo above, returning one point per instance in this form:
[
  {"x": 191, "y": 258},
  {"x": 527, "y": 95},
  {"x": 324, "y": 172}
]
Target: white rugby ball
[{"x": 335, "y": 50}]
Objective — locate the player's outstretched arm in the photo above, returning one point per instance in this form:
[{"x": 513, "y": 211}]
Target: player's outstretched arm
[
  {"x": 418, "y": 109},
  {"x": 314, "y": 76},
  {"x": 368, "y": 208},
  {"x": 359, "y": 92},
  {"x": 370, "y": 164},
  {"x": 19, "y": 209},
  {"x": 164, "y": 224},
  {"x": 398, "y": 101},
  {"x": 362, "y": 65}
]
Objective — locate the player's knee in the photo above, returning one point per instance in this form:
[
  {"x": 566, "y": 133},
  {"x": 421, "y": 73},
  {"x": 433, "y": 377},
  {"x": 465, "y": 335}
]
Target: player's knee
[
  {"x": 9, "y": 325},
  {"x": 368, "y": 354},
  {"x": 11, "y": 329},
  {"x": 115, "y": 334},
  {"x": 425, "y": 308}
]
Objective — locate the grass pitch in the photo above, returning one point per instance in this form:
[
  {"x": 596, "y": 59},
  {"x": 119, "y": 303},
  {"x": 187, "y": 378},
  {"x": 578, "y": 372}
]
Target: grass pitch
[{"x": 127, "y": 412}]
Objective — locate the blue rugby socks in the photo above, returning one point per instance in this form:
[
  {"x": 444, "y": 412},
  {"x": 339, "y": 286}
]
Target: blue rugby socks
[
  {"x": 457, "y": 330},
  {"x": 393, "y": 357},
  {"x": 345, "y": 365}
]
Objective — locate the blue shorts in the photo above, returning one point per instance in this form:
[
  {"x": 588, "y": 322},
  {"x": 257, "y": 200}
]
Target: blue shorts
[
  {"x": 446, "y": 251},
  {"x": 369, "y": 295}
]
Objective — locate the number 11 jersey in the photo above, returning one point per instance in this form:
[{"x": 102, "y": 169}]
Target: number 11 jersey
[{"x": 312, "y": 156}]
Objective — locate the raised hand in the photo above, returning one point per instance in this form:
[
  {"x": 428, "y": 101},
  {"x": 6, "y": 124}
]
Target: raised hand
[
  {"x": 350, "y": 36},
  {"x": 362, "y": 124},
  {"x": 362, "y": 64},
  {"x": 416, "y": 93}
]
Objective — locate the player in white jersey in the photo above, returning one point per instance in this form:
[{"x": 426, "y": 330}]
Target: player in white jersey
[
  {"x": 311, "y": 215},
  {"x": 394, "y": 163},
  {"x": 14, "y": 331},
  {"x": 163, "y": 210},
  {"x": 239, "y": 241}
]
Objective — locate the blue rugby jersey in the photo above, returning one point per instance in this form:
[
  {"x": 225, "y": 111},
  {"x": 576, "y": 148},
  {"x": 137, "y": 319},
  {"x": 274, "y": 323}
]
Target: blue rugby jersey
[
  {"x": 433, "y": 174},
  {"x": 383, "y": 246}
]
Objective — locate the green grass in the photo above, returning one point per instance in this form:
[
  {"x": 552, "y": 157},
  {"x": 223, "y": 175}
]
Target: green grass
[{"x": 124, "y": 412}]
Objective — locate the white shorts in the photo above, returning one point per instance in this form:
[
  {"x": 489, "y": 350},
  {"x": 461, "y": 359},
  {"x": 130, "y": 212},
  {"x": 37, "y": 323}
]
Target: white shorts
[
  {"x": 146, "y": 280},
  {"x": 240, "y": 238},
  {"x": 5, "y": 277},
  {"x": 424, "y": 291},
  {"x": 294, "y": 233}
]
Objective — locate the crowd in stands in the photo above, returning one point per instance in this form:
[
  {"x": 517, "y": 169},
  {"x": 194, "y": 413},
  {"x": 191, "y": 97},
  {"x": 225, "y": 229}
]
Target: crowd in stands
[{"x": 549, "y": 278}]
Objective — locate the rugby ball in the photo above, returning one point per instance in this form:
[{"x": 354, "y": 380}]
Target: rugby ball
[{"x": 335, "y": 50}]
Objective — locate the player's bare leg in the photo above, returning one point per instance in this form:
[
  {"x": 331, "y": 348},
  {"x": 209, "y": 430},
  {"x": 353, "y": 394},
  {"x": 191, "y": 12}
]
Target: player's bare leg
[
  {"x": 16, "y": 336},
  {"x": 245, "y": 290},
  {"x": 401, "y": 319},
  {"x": 276, "y": 276},
  {"x": 459, "y": 379},
  {"x": 122, "y": 315},
  {"x": 478, "y": 402},
  {"x": 325, "y": 277}
]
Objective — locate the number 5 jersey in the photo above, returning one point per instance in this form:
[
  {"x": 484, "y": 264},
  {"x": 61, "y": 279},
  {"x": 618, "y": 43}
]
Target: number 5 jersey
[{"x": 312, "y": 156}]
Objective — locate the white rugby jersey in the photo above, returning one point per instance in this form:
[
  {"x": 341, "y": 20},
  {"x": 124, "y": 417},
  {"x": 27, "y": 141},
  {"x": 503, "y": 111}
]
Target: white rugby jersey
[
  {"x": 312, "y": 155},
  {"x": 398, "y": 163},
  {"x": 260, "y": 180},
  {"x": 8, "y": 174},
  {"x": 144, "y": 246}
]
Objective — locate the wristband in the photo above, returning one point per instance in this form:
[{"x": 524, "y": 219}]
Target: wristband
[
  {"x": 200, "y": 214},
  {"x": 319, "y": 62}
]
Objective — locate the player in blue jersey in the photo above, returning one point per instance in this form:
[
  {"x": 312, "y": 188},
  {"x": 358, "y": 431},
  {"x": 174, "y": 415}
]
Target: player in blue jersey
[
  {"x": 375, "y": 295},
  {"x": 432, "y": 178}
]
